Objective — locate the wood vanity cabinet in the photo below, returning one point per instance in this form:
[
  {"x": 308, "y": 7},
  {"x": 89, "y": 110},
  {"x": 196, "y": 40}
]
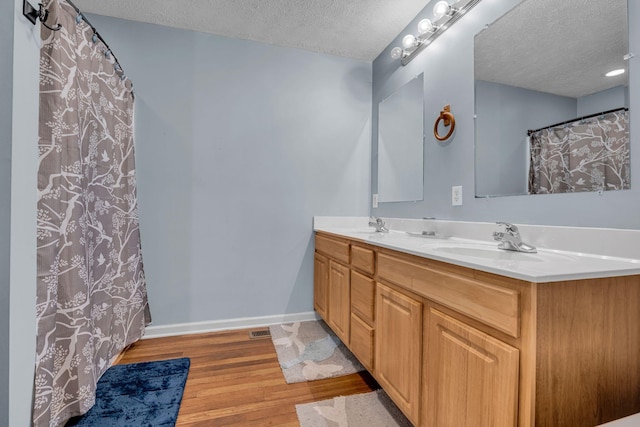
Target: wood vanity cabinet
[
  {"x": 471, "y": 377},
  {"x": 332, "y": 288},
  {"x": 362, "y": 318},
  {"x": 339, "y": 296},
  {"x": 344, "y": 293},
  {"x": 363, "y": 304},
  {"x": 321, "y": 285},
  {"x": 399, "y": 348},
  {"x": 456, "y": 347}
]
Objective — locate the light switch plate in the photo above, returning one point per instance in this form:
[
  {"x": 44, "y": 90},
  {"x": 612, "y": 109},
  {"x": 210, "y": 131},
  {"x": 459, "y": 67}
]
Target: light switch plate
[
  {"x": 456, "y": 195},
  {"x": 375, "y": 200}
]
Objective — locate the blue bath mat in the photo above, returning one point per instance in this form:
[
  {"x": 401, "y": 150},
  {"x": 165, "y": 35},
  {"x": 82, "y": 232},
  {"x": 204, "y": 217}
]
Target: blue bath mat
[{"x": 139, "y": 394}]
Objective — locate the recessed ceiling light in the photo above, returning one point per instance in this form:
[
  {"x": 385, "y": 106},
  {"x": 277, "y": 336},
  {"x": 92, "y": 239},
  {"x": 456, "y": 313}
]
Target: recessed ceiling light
[{"x": 614, "y": 73}]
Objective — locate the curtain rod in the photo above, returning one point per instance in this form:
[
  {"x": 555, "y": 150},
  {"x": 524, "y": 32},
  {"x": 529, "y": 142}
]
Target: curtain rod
[
  {"x": 529, "y": 132},
  {"x": 97, "y": 34},
  {"x": 33, "y": 14}
]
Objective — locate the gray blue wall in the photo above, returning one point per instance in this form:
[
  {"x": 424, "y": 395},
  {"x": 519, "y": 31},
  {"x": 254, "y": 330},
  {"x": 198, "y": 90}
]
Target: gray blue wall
[
  {"x": 19, "y": 112},
  {"x": 239, "y": 144},
  {"x": 448, "y": 73},
  {"x": 605, "y": 100},
  {"x": 6, "y": 97}
]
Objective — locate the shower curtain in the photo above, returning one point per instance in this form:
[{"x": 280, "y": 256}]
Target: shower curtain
[
  {"x": 586, "y": 155},
  {"x": 91, "y": 296}
]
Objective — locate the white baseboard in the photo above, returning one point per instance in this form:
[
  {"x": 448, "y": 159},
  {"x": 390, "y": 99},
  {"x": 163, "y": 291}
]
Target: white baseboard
[{"x": 226, "y": 324}]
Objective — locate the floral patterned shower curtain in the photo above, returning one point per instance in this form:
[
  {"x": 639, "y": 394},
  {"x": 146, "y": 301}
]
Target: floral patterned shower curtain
[
  {"x": 91, "y": 296},
  {"x": 586, "y": 155}
]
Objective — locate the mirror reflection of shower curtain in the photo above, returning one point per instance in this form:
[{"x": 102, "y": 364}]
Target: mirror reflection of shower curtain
[
  {"x": 586, "y": 155},
  {"x": 91, "y": 296}
]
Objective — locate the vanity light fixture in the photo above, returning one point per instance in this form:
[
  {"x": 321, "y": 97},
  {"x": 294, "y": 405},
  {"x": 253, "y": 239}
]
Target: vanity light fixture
[
  {"x": 614, "y": 73},
  {"x": 445, "y": 14},
  {"x": 441, "y": 9},
  {"x": 425, "y": 27},
  {"x": 409, "y": 41}
]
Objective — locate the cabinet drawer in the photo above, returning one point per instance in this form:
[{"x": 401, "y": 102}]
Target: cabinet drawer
[
  {"x": 336, "y": 249},
  {"x": 362, "y": 339},
  {"x": 495, "y": 306},
  {"x": 363, "y": 296},
  {"x": 363, "y": 259}
]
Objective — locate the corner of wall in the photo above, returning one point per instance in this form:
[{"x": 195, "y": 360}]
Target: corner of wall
[
  {"x": 24, "y": 107},
  {"x": 6, "y": 99}
]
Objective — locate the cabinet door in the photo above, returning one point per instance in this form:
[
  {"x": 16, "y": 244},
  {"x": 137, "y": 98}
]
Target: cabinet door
[
  {"x": 471, "y": 378},
  {"x": 339, "y": 307},
  {"x": 321, "y": 285},
  {"x": 398, "y": 348}
]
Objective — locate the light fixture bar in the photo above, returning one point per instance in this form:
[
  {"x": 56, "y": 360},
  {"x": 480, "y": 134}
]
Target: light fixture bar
[{"x": 443, "y": 24}]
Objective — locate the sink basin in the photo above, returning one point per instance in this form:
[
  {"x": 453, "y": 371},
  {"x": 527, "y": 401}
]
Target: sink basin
[
  {"x": 370, "y": 234},
  {"x": 482, "y": 253},
  {"x": 500, "y": 255},
  {"x": 427, "y": 235}
]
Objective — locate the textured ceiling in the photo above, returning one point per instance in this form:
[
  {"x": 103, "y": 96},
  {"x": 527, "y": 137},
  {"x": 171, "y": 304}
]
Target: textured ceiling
[
  {"x": 358, "y": 29},
  {"x": 561, "y": 47}
]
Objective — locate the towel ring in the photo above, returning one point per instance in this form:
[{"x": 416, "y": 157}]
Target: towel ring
[{"x": 448, "y": 120}]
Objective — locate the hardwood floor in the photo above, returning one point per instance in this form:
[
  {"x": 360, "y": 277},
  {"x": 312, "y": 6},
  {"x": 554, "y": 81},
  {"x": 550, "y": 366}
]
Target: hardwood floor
[{"x": 236, "y": 381}]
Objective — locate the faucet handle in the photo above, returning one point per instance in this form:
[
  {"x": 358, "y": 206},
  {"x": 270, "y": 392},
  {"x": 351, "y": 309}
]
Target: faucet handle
[
  {"x": 378, "y": 223},
  {"x": 510, "y": 228}
]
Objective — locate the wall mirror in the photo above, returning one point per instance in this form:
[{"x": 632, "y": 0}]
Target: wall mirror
[
  {"x": 400, "y": 144},
  {"x": 548, "y": 119}
]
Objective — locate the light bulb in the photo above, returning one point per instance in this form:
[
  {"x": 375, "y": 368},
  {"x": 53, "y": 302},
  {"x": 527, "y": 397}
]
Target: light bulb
[
  {"x": 425, "y": 26},
  {"x": 396, "y": 53},
  {"x": 440, "y": 9},
  {"x": 409, "y": 41},
  {"x": 614, "y": 73}
]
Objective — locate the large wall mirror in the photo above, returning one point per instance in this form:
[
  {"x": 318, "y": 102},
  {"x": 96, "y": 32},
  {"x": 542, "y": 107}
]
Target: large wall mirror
[
  {"x": 548, "y": 118},
  {"x": 400, "y": 144}
]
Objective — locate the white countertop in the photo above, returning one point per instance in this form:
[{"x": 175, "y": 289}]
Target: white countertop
[
  {"x": 547, "y": 265},
  {"x": 630, "y": 421}
]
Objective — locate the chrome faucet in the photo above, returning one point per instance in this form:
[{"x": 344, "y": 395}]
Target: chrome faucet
[
  {"x": 379, "y": 224},
  {"x": 510, "y": 239}
]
